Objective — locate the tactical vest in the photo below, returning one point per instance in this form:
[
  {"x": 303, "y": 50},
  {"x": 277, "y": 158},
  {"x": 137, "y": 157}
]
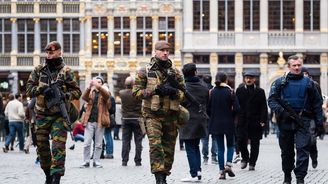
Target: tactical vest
[
  {"x": 40, "y": 105},
  {"x": 294, "y": 93},
  {"x": 156, "y": 102}
]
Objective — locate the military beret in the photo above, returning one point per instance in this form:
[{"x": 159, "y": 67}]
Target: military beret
[
  {"x": 162, "y": 45},
  {"x": 52, "y": 46}
]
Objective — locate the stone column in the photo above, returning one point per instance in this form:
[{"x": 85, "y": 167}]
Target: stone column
[
  {"x": 82, "y": 35},
  {"x": 264, "y": 72},
  {"x": 323, "y": 16},
  {"x": 213, "y": 16},
  {"x": 213, "y": 65},
  {"x": 187, "y": 58},
  {"x": 87, "y": 74},
  {"x": 110, "y": 73},
  {"x": 299, "y": 22},
  {"x": 239, "y": 68},
  {"x": 188, "y": 16},
  {"x": 324, "y": 70},
  {"x": 37, "y": 42},
  {"x": 110, "y": 52},
  {"x": 238, "y": 23},
  {"x": 264, "y": 22},
  {"x": 88, "y": 39},
  {"x": 14, "y": 47},
  {"x": 133, "y": 37},
  {"x": 14, "y": 86},
  {"x": 60, "y": 30},
  {"x": 178, "y": 37},
  {"x": 155, "y": 30}
]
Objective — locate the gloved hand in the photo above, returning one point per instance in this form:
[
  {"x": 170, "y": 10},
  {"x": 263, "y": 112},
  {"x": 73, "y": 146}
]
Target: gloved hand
[
  {"x": 284, "y": 115},
  {"x": 165, "y": 90},
  {"x": 320, "y": 130},
  {"x": 45, "y": 90}
]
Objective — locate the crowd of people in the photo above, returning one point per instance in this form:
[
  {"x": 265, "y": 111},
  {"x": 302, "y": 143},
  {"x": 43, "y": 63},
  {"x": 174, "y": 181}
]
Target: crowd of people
[{"x": 164, "y": 103}]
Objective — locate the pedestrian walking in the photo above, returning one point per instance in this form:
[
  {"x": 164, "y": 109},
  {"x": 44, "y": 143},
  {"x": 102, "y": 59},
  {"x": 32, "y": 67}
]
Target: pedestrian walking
[
  {"x": 160, "y": 86},
  {"x": 95, "y": 119},
  {"x": 296, "y": 101},
  {"x": 196, "y": 127},
  {"x": 131, "y": 114},
  {"x": 253, "y": 116},
  {"x": 44, "y": 80},
  {"x": 222, "y": 109},
  {"x": 16, "y": 116},
  {"x": 313, "y": 145},
  {"x": 205, "y": 141},
  {"x": 109, "y": 146}
]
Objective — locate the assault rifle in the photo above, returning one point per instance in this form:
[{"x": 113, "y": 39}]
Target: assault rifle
[
  {"x": 291, "y": 112},
  {"x": 175, "y": 84},
  {"x": 57, "y": 99}
]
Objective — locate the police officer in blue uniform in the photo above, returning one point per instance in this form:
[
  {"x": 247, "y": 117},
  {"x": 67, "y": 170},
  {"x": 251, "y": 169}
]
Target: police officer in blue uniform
[{"x": 295, "y": 100}]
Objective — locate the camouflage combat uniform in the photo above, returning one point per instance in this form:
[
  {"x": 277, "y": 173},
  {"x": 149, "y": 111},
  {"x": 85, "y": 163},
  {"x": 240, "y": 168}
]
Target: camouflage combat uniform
[
  {"x": 50, "y": 121},
  {"x": 161, "y": 122}
]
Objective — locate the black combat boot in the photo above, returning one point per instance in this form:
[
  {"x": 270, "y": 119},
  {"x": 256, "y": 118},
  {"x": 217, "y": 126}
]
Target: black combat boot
[
  {"x": 48, "y": 176},
  {"x": 56, "y": 179},
  {"x": 160, "y": 178},
  {"x": 288, "y": 178}
]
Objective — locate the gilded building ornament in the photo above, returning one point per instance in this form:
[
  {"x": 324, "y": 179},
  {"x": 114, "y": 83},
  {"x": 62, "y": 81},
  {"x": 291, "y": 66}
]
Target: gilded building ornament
[
  {"x": 99, "y": 9},
  {"x": 143, "y": 9},
  {"x": 13, "y": 20},
  {"x": 132, "y": 64},
  {"x": 110, "y": 64},
  {"x": 121, "y": 9},
  {"x": 166, "y": 8},
  {"x": 36, "y": 20},
  {"x": 281, "y": 61},
  {"x": 59, "y": 20}
]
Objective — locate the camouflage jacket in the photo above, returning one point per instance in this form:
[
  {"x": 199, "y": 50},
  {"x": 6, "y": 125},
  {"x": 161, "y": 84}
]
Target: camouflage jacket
[
  {"x": 140, "y": 90},
  {"x": 38, "y": 78}
]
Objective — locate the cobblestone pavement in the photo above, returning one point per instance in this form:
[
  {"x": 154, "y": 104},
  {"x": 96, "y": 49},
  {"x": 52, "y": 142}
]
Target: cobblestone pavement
[{"x": 18, "y": 167}]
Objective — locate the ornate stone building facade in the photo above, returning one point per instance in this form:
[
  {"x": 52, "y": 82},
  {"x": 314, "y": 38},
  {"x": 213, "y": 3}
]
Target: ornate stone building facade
[
  {"x": 105, "y": 37},
  {"x": 239, "y": 35}
]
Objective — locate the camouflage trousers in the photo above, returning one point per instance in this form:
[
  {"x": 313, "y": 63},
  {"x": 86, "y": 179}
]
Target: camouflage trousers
[
  {"x": 51, "y": 159},
  {"x": 162, "y": 134}
]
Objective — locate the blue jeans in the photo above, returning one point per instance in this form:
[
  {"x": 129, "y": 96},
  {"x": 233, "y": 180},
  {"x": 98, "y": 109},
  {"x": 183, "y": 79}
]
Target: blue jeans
[
  {"x": 193, "y": 155},
  {"x": 79, "y": 137},
  {"x": 16, "y": 126},
  {"x": 230, "y": 146},
  {"x": 214, "y": 148},
  {"x": 109, "y": 141}
]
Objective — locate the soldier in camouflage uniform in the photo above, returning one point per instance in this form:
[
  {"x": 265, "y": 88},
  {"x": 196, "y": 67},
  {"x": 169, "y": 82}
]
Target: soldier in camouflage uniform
[
  {"x": 50, "y": 121},
  {"x": 160, "y": 108}
]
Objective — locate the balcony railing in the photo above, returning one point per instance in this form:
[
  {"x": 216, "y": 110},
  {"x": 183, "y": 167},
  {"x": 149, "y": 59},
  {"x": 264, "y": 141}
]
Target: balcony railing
[
  {"x": 25, "y": 61},
  {"x": 71, "y": 7},
  {"x": 5, "y": 8},
  {"x": 226, "y": 38},
  {"x": 72, "y": 60},
  {"x": 4, "y": 60},
  {"x": 49, "y": 7},
  {"x": 281, "y": 38}
]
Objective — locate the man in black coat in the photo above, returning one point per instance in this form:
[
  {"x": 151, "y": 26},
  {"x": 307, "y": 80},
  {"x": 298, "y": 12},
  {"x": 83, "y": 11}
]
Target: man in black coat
[{"x": 252, "y": 118}]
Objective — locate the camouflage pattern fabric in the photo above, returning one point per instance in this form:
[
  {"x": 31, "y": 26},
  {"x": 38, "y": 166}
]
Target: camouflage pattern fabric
[
  {"x": 55, "y": 160},
  {"x": 162, "y": 134},
  {"x": 161, "y": 126},
  {"x": 50, "y": 121}
]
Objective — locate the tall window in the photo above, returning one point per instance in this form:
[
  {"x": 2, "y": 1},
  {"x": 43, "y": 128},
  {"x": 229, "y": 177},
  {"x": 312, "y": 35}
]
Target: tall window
[
  {"x": 282, "y": 15},
  {"x": 48, "y": 31},
  {"x": 167, "y": 30},
  {"x": 121, "y": 36},
  {"x": 25, "y": 35},
  {"x": 201, "y": 12},
  {"x": 71, "y": 35},
  {"x": 144, "y": 36},
  {"x": 99, "y": 36},
  {"x": 5, "y": 36},
  {"x": 201, "y": 58},
  {"x": 251, "y": 15},
  {"x": 226, "y": 15},
  {"x": 251, "y": 59},
  {"x": 311, "y": 15}
]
